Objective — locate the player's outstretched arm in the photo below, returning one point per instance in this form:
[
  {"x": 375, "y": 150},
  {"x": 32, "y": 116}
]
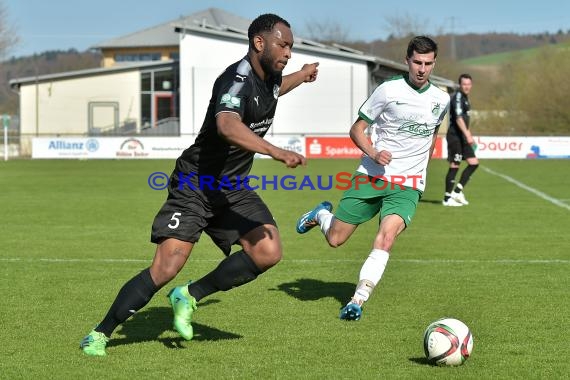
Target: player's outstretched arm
[
  {"x": 308, "y": 73},
  {"x": 289, "y": 158},
  {"x": 231, "y": 128},
  {"x": 363, "y": 142}
]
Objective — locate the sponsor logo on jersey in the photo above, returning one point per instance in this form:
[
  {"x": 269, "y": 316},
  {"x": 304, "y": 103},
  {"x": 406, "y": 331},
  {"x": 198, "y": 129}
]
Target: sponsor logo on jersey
[
  {"x": 435, "y": 107},
  {"x": 415, "y": 128},
  {"x": 230, "y": 101},
  {"x": 261, "y": 126}
]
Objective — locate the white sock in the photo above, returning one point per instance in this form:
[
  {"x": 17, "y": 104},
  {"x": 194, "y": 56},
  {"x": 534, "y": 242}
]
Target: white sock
[
  {"x": 370, "y": 274},
  {"x": 324, "y": 218}
]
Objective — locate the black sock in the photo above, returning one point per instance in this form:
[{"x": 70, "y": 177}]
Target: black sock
[
  {"x": 467, "y": 174},
  {"x": 133, "y": 296},
  {"x": 450, "y": 181},
  {"x": 235, "y": 270}
]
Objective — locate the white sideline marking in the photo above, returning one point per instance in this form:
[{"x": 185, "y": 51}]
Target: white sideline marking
[
  {"x": 538, "y": 193},
  {"x": 315, "y": 261}
]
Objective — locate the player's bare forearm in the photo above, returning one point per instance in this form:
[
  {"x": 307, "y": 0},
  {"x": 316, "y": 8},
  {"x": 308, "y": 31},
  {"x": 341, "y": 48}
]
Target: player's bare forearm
[
  {"x": 362, "y": 141},
  {"x": 308, "y": 73},
  {"x": 231, "y": 128},
  {"x": 359, "y": 137}
]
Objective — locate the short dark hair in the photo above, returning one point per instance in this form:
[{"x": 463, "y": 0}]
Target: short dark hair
[
  {"x": 422, "y": 45},
  {"x": 464, "y": 76},
  {"x": 264, "y": 23}
]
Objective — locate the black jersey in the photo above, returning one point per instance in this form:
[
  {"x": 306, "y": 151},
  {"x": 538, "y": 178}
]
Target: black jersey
[
  {"x": 459, "y": 107},
  {"x": 238, "y": 89}
]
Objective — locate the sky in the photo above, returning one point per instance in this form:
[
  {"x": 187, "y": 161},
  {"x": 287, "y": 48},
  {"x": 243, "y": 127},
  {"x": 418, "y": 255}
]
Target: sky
[{"x": 43, "y": 25}]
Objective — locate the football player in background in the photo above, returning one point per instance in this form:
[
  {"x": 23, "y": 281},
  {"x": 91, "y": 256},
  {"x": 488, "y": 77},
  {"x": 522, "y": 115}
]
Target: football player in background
[{"x": 460, "y": 145}]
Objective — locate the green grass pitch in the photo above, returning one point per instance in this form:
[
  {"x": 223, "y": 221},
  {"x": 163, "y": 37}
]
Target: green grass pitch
[{"x": 73, "y": 232}]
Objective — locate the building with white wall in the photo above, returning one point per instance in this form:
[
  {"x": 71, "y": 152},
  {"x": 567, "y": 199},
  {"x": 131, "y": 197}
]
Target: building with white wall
[
  {"x": 327, "y": 106},
  {"x": 143, "y": 93}
]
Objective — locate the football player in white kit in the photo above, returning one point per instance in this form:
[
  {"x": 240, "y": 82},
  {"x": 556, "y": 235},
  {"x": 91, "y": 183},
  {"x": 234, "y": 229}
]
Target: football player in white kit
[{"x": 404, "y": 114}]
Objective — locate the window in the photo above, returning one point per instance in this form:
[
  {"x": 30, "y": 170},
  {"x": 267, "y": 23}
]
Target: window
[
  {"x": 159, "y": 102},
  {"x": 145, "y": 81},
  {"x": 163, "y": 81},
  {"x": 136, "y": 57},
  {"x": 103, "y": 118}
]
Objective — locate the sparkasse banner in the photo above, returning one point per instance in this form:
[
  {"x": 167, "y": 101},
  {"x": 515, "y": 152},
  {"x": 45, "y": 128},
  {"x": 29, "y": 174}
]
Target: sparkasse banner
[
  {"x": 331, "y": 147},
  {"x": 343, "y": 147}
]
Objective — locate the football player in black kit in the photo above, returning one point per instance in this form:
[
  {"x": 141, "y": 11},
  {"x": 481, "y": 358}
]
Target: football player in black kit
[
  {"x": 241, "y": 110},
  {"x": 460, "y": 144}
]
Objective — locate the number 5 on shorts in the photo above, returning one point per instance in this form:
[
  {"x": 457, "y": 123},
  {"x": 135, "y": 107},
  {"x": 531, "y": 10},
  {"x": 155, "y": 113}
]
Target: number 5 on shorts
[{"x": 175, "y": 221}]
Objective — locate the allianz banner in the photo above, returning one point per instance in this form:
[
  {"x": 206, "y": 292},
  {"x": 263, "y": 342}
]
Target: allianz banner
[{"x": 110, "y": 147}]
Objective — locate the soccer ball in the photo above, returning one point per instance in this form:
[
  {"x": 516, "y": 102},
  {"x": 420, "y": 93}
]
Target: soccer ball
[{"x": 447, "y": 341}]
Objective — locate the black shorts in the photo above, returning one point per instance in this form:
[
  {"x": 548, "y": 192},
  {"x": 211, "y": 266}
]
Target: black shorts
[
  {"x": 458, "y": 149},
  {"x": 224, "y": 215}
]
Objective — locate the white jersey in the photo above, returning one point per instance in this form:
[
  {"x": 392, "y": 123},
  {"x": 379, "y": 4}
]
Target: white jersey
[{"x": 403, "y": 120}]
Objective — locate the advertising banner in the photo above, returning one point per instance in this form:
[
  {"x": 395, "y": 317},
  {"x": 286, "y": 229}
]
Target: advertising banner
[
  {"x": 438, "y": 150},
  {"x": 331, "y": 147},
  {"x": 310, "y": 146},
  {"x": 343, "y": 147},
  {"x": 522, "y": 147},
  {"x": 110, "y": 147}
]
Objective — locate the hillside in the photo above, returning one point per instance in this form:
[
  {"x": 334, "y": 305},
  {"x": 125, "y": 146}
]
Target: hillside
[
  {"x": 466, "y": 46},
  {"x": 49, "y": 62},
  {"x": 488, "y": 57},
  {"x": 502, "y": 58}
]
